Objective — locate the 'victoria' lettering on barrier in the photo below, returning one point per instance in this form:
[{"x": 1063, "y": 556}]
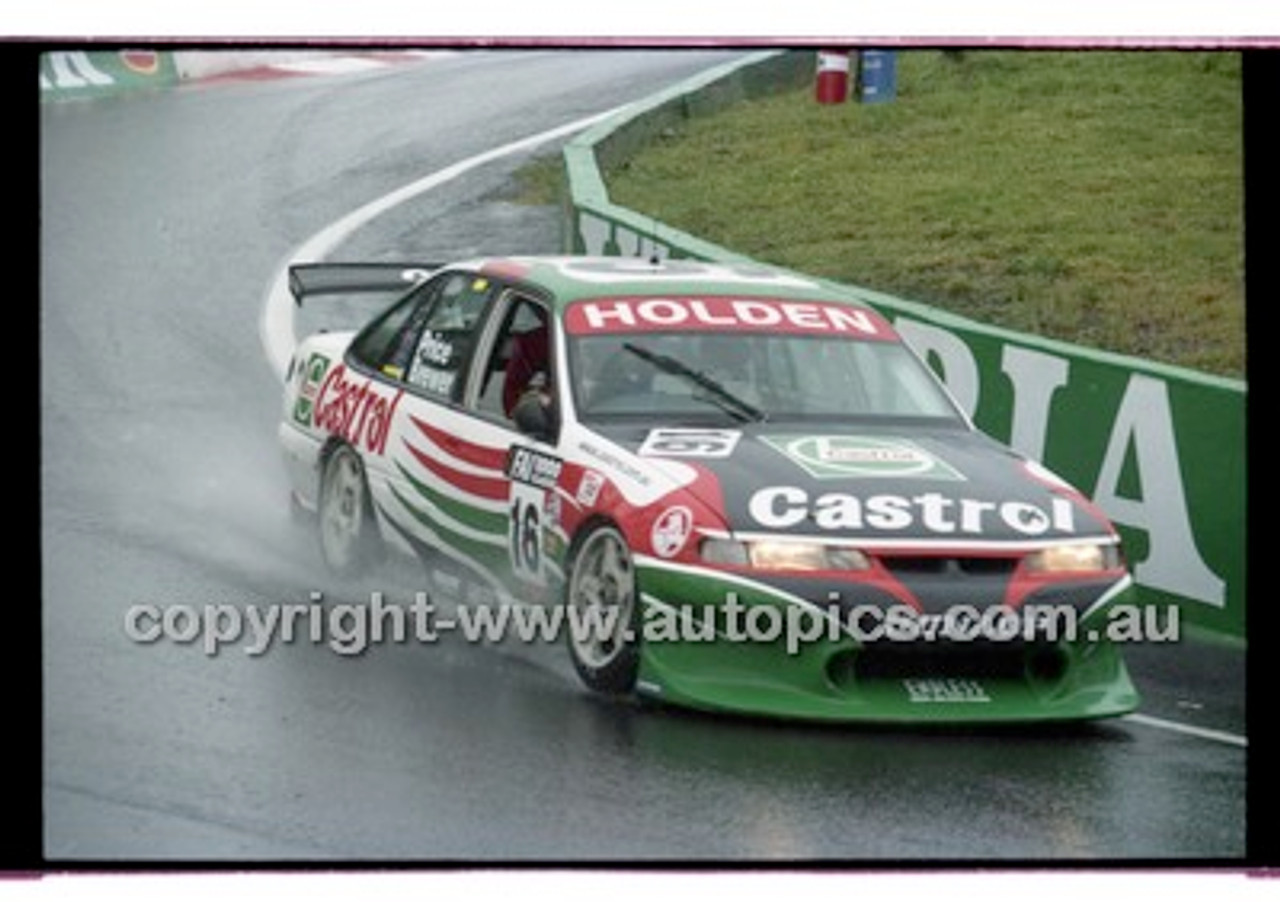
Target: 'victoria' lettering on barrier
[{"x": 1142, "y": 426}]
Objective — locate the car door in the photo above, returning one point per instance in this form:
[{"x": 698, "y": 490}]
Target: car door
[
  {"x": 418, "y": 360},
  {"x": 514, "y": 354},
  {"x": 440, "y": 478}
]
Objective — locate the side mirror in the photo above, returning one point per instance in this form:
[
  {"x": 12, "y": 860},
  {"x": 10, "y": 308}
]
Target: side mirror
[{"x": 535, "y": 416}]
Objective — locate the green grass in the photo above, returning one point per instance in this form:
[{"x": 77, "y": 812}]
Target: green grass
[
  {"x": 1095, "y": 197},
  {"x": 539, "y": 183}
]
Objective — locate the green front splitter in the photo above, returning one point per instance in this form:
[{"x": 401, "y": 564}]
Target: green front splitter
[
  {"x": 829, "y": 680},
  {"x": 754, "y": 680}
]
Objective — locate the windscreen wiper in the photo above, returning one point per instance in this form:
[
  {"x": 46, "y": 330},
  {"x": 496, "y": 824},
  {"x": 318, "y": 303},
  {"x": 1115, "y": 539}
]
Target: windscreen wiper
[{"x": 715, "y": 392}]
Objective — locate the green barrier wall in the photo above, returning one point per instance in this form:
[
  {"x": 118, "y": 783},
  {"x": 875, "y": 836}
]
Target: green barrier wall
[
  {"x": 1160, "y": 449},
  {"x": 93, "y": 73}
]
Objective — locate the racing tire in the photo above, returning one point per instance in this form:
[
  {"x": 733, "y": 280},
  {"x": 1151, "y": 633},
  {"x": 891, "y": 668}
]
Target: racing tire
[
  {"x": 344, "y": 516},
  {"x": 600, "y": 591}
]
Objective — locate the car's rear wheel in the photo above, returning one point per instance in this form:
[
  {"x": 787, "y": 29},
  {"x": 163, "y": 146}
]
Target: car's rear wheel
[
  {"x": 345, "y": 514},
  {"x": 601, "y": 595}
]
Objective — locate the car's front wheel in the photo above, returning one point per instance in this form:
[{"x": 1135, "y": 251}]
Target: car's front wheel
[
  {"x": 603, "y": 611},
  {"x": 345, "y": 514}
]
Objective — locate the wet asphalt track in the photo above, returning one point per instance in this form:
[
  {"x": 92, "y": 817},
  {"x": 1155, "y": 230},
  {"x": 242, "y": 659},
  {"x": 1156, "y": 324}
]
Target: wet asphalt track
[{"x": 163, "y": 219}]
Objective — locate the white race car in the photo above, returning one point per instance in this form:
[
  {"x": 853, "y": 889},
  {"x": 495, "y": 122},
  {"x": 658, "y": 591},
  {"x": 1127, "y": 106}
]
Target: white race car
[{"x": 667, "y": 440}]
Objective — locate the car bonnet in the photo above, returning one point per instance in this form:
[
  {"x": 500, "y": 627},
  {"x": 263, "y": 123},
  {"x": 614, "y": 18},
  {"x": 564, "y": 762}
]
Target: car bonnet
[{"x": 887, "y": 485}]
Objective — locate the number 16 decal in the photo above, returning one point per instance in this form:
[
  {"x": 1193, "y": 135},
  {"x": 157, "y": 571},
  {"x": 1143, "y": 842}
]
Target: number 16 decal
[
  {"x": 525, "y": 539},
  {"x": 533, "y": 475}
]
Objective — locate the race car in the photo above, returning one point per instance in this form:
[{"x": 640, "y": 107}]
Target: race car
[{"x": 744, "y": 481}]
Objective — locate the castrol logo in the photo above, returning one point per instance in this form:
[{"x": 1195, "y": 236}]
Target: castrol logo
[{"x": 353, "y": 407}]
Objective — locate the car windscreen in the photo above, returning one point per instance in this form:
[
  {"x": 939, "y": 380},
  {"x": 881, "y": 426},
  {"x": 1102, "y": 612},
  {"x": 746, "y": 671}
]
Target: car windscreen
[{"x": 750, "y": 376}]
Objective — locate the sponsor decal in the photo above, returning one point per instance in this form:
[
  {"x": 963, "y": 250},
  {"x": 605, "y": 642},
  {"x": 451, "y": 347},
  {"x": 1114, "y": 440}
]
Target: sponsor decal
[
  {"x": 143, "y": 62},
  {"x": 352, "y": 406},
  {"x": 671, "y": 530},
  {"x": 783, "y": 507},
  {"x": 690, "y": 443},
  {"x": 532, "y": 467},
  {"x": 589, "y": 488},
  {"x": 684, "y": 314},
  {"x": 639, "y": 481},
  {"x": 553, "y": 507},
  {"x": 614, "y": 462},
  {"x": 946, "y": 691},
  {"x": 842, "y": 456},
  {"x": 535, "y": 508},
  {"x": 312, "y": 375}
]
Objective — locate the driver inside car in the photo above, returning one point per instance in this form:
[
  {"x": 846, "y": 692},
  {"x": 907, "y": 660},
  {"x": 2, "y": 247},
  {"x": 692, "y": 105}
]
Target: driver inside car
[{"x": 529, "y": 366}]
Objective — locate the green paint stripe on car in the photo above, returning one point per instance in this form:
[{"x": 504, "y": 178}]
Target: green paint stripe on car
[
  {"x": 456, "y": 509},
  {"x": 488, "y": 556}
]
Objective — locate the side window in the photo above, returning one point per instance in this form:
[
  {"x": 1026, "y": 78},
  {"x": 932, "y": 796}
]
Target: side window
[
  {"x": 520, "y": 359},
  {"x": 375, "y": 346},
  {"x": 436, "y": 345}
]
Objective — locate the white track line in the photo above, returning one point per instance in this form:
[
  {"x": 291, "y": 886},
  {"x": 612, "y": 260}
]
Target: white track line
[
  {"x": 276, "y": 325},
  {"x": 1187, "y": 729}
]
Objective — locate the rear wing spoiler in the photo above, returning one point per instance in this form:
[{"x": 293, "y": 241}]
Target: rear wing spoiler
[{"x": 308, "y": 280}]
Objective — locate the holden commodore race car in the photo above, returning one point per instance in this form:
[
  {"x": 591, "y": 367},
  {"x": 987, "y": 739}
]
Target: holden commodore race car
[{"x": 775, "y": 501}]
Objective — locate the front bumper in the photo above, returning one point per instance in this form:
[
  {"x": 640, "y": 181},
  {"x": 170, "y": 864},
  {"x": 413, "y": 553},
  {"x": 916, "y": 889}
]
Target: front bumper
[{"x": 832, "y": 676}]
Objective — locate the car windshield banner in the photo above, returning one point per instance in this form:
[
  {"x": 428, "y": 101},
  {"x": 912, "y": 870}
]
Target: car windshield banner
[{"x": 724, "y": 314}]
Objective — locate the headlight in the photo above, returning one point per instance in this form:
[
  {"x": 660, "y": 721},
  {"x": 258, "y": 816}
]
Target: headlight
[
  {"x": 783, "y": 555},
  {"x": 1074, "y": 559}
]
